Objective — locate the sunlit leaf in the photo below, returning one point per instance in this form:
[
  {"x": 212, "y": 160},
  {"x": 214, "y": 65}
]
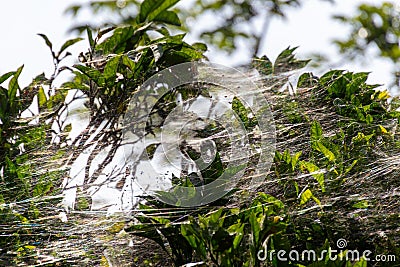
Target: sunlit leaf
[
  {"x": 266, "y": 198},
  {"x": 369, "y": 119},
  {"x": 317, "y": 145},
  {"x": 383, "y": 129},
  {"x": 295, "y": 159},
  {"x": 200, "y": 47},
  {"x": 363, "y": 204},
  {"x": 316, "y": 131},
  {"x": 4, "y": 77},
  {"x": 383, "y": 95},
  {"x": 305, "y": 196},
  {"x": 237, "y": 230},
  {"x": 128, "y": 62},
  {"x": 255, "y": 227},
  {"x": 315, "y": 172},
  {"x": 13, "y": 86},
  {"x": 168, "y": 17},
  {"x": 42, "y": 99},
  {"x": 361, "y": 263},
  {"x": 150, "y": 9},
  {"x": 348, "y": 169}
]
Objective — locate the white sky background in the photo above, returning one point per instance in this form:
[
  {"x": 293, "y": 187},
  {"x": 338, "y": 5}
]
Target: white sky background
[
  {"x": 19, "y": 44},
  {"x": 310, "y": 28}
]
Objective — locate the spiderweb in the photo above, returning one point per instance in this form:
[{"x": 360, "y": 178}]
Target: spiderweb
[{"x": 82, "y": 181}]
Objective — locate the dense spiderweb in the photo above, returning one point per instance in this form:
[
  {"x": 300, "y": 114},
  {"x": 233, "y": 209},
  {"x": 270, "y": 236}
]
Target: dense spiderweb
[{"x": 80, "y": 219}]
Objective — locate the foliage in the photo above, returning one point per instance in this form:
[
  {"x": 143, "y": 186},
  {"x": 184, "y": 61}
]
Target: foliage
[
  {"x": 233, "y": 236},
  {"x": 24, "y": 140},
  {"x": 235, "y": 18},
  {"x": 334, "y": 173},
  {"x": 373, "y": 26}
]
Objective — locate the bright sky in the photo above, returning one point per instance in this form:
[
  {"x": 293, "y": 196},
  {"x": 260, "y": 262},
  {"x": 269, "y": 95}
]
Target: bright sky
[
  {"x": 20, "y": 44},
  {"x": 309, "y": 27}
]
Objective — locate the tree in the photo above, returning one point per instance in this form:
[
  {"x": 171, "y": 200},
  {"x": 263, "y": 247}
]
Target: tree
[
  {"x": 235, "y": 19},
  {"x": 374, "y": 26}
]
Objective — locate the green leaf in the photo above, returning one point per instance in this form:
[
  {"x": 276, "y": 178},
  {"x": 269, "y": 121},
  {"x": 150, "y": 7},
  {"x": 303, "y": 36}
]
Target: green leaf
[
  {"x": 93, "y": 74},
  {"x": 150, "y": 9},
  {"x": 361, "y": 263},
  {"x": 200, "y": 47},
  {"x": 146, "y": 231},
  {"x": 237, "y": 230},
  {"x": 48, "y": 43},
  {"x": 213, "y": 171},
  {"x": 369, "y": 119},
  {"x": 164, "y": 31},
  {"x": 186, "y": 232},
  {"x": 321, "y": 148},
  {"x": 68, "y": 44},
  {"x": 168, "y": 17},
  {"x": 215, "y": 216},
  {"x": 39, "y": 79},
  {"x": 3, "y": 105},
  {"x": 104, "y": 31},
  {"x": 128, "y": 62},
  {"x": 287, "y": 158},
  {"x": 330, "y": 76},
  {"x": 68, "y": 128},
  {"x": 255, "y": 227},
  {"x": 110, "y": 71},
  {"x": 13, "y": 86},
  {"x": 306, "y": 196},
  {"x": 263, "y": 65},
  {"x": 90, "y": 37},
  {"x": 313, "y": 169},
  {"x": 350, "y": 167},
  {"x": 363, "y": 204},
  {"x": 286, "y": 61},
  {"x": 46, "y": 39},
  {"x": 356, "y": 83},
  {"x": 240, "y": 110},
  {"x": 307, "y": 80},
  {"x": 117, "y": 42},
  {"x": 266, "y": 198},
  {"x": 316, "y": 131},
  {"x": 4, "y": 77},
  {"x": 383, "y": 129},
  {"x": 295, "y": 159},
  {"x": 383, "y": 95},
  {"x": 11, "y": 166},
  {"x": 41, "y": 97}
]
